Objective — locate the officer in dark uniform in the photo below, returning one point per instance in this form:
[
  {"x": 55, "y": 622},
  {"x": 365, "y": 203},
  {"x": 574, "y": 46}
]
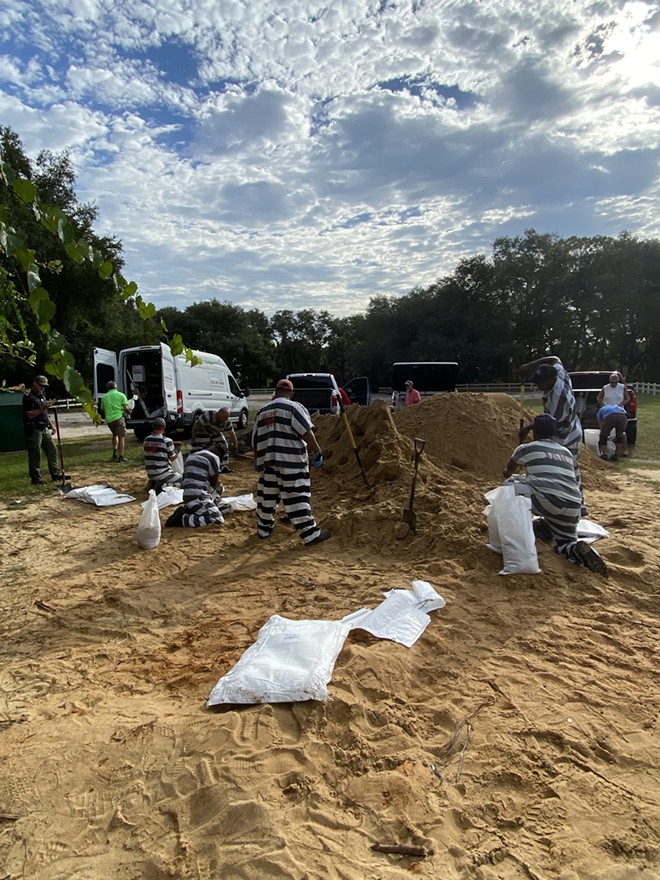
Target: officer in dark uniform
[{"x": 39, "y": 431}]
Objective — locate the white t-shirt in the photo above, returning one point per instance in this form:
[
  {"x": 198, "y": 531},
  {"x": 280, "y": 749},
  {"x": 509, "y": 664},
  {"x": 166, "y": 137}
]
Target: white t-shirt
[{"x": 614, "y": 395}]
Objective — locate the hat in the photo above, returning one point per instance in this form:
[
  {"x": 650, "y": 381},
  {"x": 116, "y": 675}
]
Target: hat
[
  {"x": 543, "y": 373},
  {"x": 158, "y": 423},
  {"x": 409, "y": 382},
  {"x": 285, "y": 383},
  {"x": 41, "y": 380},
  {"x": 545, "y": 425}
]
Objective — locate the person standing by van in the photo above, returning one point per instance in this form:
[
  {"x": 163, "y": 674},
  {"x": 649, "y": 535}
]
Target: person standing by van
[
  {"x": 282, "y": 435},
  {"x": 210, "y": 427},
  {"x": 115, "y": 407}
]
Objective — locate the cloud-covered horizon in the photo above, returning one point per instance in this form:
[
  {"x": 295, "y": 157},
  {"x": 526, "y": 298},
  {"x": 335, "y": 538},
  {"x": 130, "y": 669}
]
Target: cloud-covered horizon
[{"x": 316, "y": 156}]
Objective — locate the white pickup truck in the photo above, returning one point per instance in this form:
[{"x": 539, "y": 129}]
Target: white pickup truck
[{"x": 319, "y": 392}]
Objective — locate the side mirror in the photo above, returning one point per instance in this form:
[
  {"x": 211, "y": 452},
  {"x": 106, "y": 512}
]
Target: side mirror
[{"x": 245, "y": 392}]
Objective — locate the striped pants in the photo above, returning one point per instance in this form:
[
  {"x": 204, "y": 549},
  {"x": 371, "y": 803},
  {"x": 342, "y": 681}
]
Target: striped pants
[
  {"x": 294, "y": 489},
  {"x": 562, "y": 518},
  {"x": 201, "y": 511},
  {"x": 574, "y": 449}
]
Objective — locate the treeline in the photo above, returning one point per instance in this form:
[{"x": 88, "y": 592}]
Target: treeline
[{"x": 594, "y": 301}]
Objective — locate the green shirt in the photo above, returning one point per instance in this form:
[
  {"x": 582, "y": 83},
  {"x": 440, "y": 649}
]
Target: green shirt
[{"x": 113, "y": 405}]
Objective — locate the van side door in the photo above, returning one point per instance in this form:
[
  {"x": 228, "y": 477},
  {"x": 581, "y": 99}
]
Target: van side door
[{"x": 105, "y": 370}]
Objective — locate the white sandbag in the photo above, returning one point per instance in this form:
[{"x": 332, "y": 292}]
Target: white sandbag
[
  {"x": 99, "y": 494},
  {"x": 514, "y": 523},
  {"x": 494, "y": 541},
  {"x": 291, "y": 661},
  {"x": 591, "y": 531},
  {"x": 402, "y": 617},
  {"x": 167, "y": 496},
  {"x": 241, "y": 502},
  {"x": 177, "y": 465},
  {"x": 148, "y": 533}
]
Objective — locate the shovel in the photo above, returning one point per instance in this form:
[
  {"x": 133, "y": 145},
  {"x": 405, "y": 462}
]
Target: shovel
[
  {"x": 356, "y": 451},
  {"x": 409, "y": 515},
  {"x": 65, "y": 488}
]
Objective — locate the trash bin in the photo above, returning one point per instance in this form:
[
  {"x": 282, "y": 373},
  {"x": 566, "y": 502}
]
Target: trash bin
[{"x": 11, "y": 421}]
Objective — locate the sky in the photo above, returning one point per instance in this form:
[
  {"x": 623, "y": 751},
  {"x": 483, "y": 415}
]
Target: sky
[{"x": 311, "y": 155}]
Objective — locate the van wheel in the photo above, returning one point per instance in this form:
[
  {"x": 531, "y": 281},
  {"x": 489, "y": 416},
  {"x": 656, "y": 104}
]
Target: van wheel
[{"x": 243, "y": 420}]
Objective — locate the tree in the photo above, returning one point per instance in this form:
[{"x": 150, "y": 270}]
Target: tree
[{"x": 53, "y": 243}]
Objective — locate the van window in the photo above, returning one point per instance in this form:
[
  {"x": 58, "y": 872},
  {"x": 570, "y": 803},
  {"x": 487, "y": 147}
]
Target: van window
[{"x": 233, "y": 386}]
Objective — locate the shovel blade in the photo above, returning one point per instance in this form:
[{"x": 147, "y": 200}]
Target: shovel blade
[
  {"x": 409, "y": 516},
  {"x": 65, "y": 488}
]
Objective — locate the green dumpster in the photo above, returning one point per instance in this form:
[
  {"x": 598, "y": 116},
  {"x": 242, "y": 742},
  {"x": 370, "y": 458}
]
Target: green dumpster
[{"x": 11, "y": 421}]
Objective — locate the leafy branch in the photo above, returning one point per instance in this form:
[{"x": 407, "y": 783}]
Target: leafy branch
[{"x": 13, "y": 243}]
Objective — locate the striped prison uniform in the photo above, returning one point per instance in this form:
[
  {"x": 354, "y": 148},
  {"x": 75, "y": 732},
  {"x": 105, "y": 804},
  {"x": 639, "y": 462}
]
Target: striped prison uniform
[
  {"x": 200, "y": 499},
  {"x": 207, "y": 431},
  {"x": 280, "y": 458},
  {"x": 559, "y": 402},
  {"x": 158, "y": 453},
  {"x": 555, "y": 493}
]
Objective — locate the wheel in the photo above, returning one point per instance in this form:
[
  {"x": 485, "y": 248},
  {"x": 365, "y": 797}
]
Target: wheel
[
  {"x": 631, "y": 433},
  {"x": 243, "y": 420}
]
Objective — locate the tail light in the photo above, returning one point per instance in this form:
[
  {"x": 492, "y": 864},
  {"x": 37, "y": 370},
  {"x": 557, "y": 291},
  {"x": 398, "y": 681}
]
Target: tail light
[
  {"x": 179, "y": 401},
  {"x": 335, "y": 401},
  {"x": 632, "y": 406}
]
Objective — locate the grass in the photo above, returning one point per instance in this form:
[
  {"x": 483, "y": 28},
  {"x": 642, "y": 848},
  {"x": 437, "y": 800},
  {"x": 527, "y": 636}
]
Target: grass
[
  {"x": 646, "y": 452},
  {"x": 88, "y": 453}
]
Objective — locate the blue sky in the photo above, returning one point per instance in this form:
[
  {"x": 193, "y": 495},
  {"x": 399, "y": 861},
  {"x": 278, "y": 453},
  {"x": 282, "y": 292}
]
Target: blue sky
[{"x": 309, "y": 155}]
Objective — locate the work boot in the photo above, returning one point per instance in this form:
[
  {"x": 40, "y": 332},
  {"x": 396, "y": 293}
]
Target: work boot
[
  {"x": 39, "y": 482},
  {"x": 120, "y": 458},
  {"x": 176, "y": 519},
  {"x": 323, "y": 535},
  {"x": 114, "y": 455},
  {"x": 588, "y": 557}
]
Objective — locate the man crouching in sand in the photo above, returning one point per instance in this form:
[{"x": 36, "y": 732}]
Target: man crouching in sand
[{"x": 555, "y": 493}]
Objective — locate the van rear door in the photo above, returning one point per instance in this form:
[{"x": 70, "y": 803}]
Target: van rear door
[
  {"x": 171, "y": 394},
  {"x": 105, "y": 370}
]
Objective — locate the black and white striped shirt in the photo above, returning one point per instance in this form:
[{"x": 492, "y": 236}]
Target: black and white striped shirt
[
  {"x": 559, "y": 402},
  {"x": 277, "y": 435},
  {"x": 198, "y": 471},
  {"x": 550, "y": 469},
  {"x": 158, "y": 452}
]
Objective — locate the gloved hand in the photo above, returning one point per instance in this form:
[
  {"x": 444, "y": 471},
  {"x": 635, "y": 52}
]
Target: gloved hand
[{"x": 317, "y": 459}]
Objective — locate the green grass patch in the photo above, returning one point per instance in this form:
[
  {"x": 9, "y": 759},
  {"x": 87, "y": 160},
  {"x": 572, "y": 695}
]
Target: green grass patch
[{"x": 80, "y": 457}]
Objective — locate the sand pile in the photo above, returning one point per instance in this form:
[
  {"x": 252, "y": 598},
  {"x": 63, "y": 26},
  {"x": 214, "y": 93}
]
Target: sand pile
[{"x": 468, "y": 440}]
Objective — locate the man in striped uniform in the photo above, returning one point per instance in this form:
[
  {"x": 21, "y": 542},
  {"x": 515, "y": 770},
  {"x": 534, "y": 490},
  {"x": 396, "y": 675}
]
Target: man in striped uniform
[
  {"x": 282, "y": 435},
  {"x": 159, "y": 453},
  {"x": 201, "y": 491},
  {"x": 209, "y": 427},
  {"x": 549, "y": 375},
  {"x": 554, "y": 491}
]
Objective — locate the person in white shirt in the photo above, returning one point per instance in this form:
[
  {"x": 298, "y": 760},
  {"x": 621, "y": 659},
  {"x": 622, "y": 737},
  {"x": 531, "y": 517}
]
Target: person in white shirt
[{"x": 614, "y": 393}]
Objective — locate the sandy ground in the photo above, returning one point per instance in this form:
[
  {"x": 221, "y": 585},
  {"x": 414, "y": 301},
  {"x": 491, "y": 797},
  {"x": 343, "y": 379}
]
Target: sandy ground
[{"x": 534, "y": 697}]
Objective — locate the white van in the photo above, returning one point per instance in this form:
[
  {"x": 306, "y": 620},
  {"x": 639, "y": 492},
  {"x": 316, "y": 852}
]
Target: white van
[{"x": 165, "y": 385}]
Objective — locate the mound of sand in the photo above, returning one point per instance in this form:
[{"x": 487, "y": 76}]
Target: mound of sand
[{"x": 517, "y": 739}]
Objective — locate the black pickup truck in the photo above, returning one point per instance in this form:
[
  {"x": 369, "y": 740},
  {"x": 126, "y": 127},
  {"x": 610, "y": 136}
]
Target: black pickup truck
[{"x": 318, "y": 392}]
